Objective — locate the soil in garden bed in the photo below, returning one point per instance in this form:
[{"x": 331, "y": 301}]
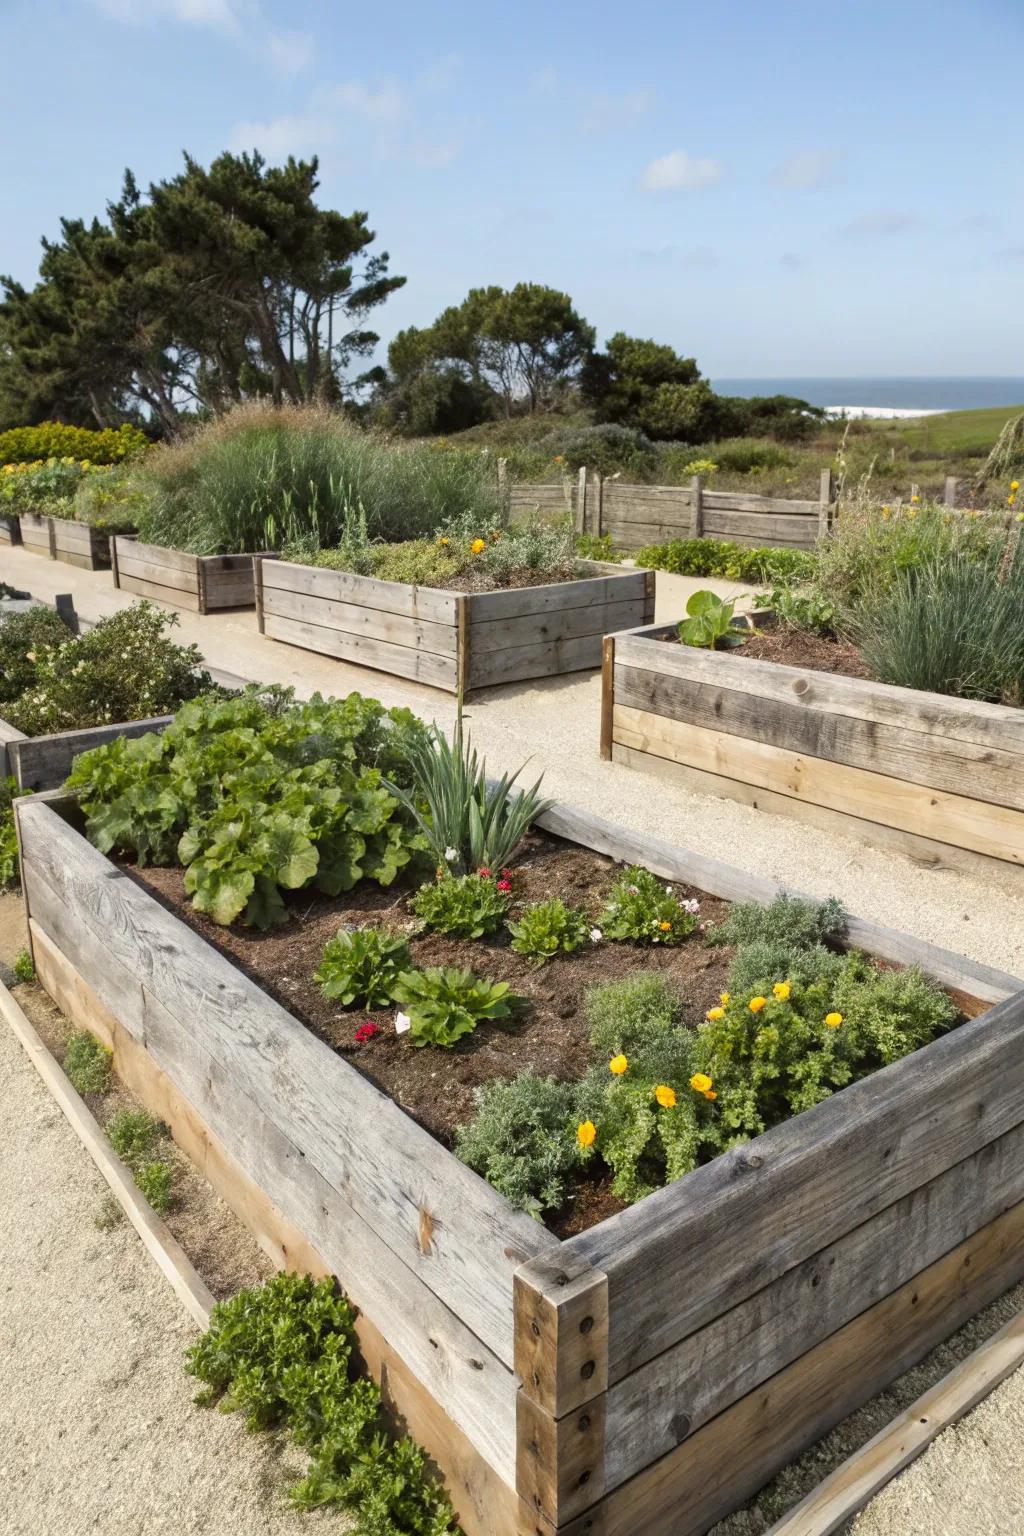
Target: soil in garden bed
[
  {"x": 436, "y": 1086},
  {"x": 471, "y": 580},
  {"x": 799, "y": 648}
]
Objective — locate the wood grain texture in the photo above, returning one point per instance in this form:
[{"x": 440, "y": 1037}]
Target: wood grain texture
[
  {"x": 397, "y": 597},
  {"x": 44, "y": 762},
  {"x": 360, "y": 619},
  {"x": 399, "y": 660},
  {"x": 131, "y": 548},
  {"x": 948, "y": 818},
  {"x": 727, "y": 1461},
  {"x": 568, "y": 623},
  {"x": 37, "y": 534},
  {"x": 542, "y": 659},
  {"x": 607, "y": 695},
  {"x": 388, "y": 1169},
  {"x": 561, "y": 1330},
  {"x": 484, "y": 1501},
  {"x": 175, "y": 597}
]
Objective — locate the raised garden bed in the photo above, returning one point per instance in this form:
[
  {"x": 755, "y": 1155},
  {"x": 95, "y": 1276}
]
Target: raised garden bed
[
  {"x": 201, "y": 583},
  {"x": 938, "y": 778},
  {"x": 453, "y": 640},
  {"x": 10, "y": 529},
  {"x": 44, "y": 762},
  {"x": 61, "y": 538},
  {"x": 644, "y": 1376}
]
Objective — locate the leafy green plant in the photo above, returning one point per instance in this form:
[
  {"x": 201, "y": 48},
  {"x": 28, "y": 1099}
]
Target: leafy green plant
[
  {"x": 466, "y": 906},
  {"x": 111, "y": 501},
  {"x": 155, "y": 1180},
  {"x": 640, "y": 909},
  {"x": 9, "y": 792},
  {"x": 522, "y": 1140},
  {"x": 630, "y": 1015},
  {"x": 132, "y": 1133},
  {"x": 796, "y": 608},
  {"x": 734, "y": 562},
  {"x": 23, "y": 968},
  {"x": 466, "y": 821},
  {"x": 445, "y": 1003},
  {"x": 710, "y": 623},
  {"x": 362, "y": 965},
  {"x": 87, "y": 1063},
  {"x": 548, "y": 928},
  {"x": 24, "y": 638},
  {"x": 646, "y": 1140},
  {"x": 283, "y": 1354},
  {"x": 598, "y": 546},
  {"x": 254, "y": 794},
  {"x": 56, "y": 440}
]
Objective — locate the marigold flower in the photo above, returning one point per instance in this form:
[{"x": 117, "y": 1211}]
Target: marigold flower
[
  {"x": 700, "y": 1082},
  {"x": 1014, "y": 485},
  {"x": 665, "y": 927},
  {"x": 709, "y": 1093},
  {"x": 586, "y": 1133},
  {"x": 714, "y": 1014},
  {"x": 478, "y": 546},
  {"x": 756, "y": 1004},
  {"x": 723, "y": 997},
  {"x": 618, "y": 1065},
  {"x": 781, "y": 990},
  {"x": 665, "y": 1096},
  {"x": 833, "y": 1020}
]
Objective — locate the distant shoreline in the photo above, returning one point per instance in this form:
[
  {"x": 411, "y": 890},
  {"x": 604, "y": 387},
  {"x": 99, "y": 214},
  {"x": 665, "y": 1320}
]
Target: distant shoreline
[
  {"x": 880, "y": 412},
  {"x": 882, "y": 396}
]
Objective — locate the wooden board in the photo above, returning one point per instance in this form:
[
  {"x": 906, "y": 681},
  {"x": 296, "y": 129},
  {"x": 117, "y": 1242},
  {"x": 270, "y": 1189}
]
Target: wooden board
[
  {"x": 345, "y": 586},
  {"x": 399, "y": 660},
  {"x": 544, "y": 659},
  {"x": 483, "y": 1499},
  {"x": 36, "y": 534},
  {"x": 555, "y": 596},
  {"x": 391, "y": 1173},
  {"x": 360, "y": 620},
  {"x": 44, "y": 762},
  {"x": 746, "y": 501},
  {"x": 131, "y": 548},
  {"x": 177, "y": 597},
  {"x": 568, "y": 623},
  {"x": 946, "y": 818},
  {"x": 10, "y": 530}
]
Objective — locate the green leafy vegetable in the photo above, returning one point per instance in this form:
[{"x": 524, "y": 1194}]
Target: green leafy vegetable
[
  {"x": 466, "y": 906},
  {"x": 445, "y": 1003},
  {"x": 710, "y": 623},
  {"x": 362, "y": 965}
]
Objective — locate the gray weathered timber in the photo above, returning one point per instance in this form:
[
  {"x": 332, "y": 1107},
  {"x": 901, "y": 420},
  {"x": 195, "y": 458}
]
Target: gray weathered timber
[
  {"x": 393, "y": 1174},
  {"x": 635, "y": 515},
  {"x": 8, "y": 737},
  {"x": 10, "y": 529},
  {"x": 37, "y": 534},
  {"x": 80, "y": 545},
  {"x": 200, "y": 583},
  {"x": 44, "y": 762}
]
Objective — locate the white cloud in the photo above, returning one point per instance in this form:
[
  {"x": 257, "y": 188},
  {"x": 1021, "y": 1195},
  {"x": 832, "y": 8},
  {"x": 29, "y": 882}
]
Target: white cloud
[
  {"x": 290, "y": 52},
  {"x": 605, "y": 113},
  {"x": 680, "y": 172},
  {"x": 301, "y": 133},
  {"x": 224, "y": 15},
  {"x": 806, "y": 169},
  {"x": 441, "y": 76},
  {"x": 385, "y": 104},
  {"x": 884, "y": 223}
]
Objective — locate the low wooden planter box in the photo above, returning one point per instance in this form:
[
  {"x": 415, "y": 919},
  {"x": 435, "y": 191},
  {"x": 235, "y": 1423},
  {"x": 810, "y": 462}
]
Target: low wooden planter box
[
  {"x": 201, "y": 583},
  {"x": 646, "y": 1377},
  {"x": 44, "y": 762},
  {"x": 453, "y": 640},
  {"x": 940, "y": 779},
  {"x": 61, "y": 538},
  {"x": 10, "y": 530}
]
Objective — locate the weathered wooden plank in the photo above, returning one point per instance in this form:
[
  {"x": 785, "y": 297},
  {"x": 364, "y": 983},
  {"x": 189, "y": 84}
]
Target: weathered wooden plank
[
  {"x": 8, "y": 735},
  {"x": 543, "y": 659},
  {"x": 428, "y": 1337},
  {"x": 44, "y": 762},
  {"x": 761, "y": 527},
  {"x": 554, "y": 596},
  {"x": 556, "y": 624},
  {"x": 708, "y": 1475},
  {"x": 37, "y": 534},
  {"x": 400, "y": 660},
  {"x": 227, "y": 565},
  {"x": 629, "y": 490},
  {"x": 760, "y": 1209},
  {"x": 637, "y": 535},
  {"x": 391, "y": 1171},
  {"x": 162, "y": 575},
  {"x": 345, "y": 586},
  {"x": 991, "y": 829},
  {"x": 10, "y": 530},
  {"x": 717, "y": 878},
  {"x": 709, "y": 1371},
  {"x": 921, "y": 850},
  {"x": 745, "y": 501},
  {"x": 131, "y": 548},
  {"x": 801, "y": 724},
  {"x": 175, "y": 597},
  {"x": 359, "y": 619}
]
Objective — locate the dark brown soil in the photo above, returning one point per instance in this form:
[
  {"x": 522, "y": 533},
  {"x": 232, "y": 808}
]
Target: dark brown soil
[
  {"x": 802, "y": 648},
  {"x": 433, "y": 1085}
]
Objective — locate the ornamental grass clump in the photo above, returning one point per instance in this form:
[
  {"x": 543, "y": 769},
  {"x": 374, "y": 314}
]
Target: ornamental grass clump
[
  {"x": 464, "y": 906},
  {"x": 522, "y": 1140},
  {"x": 362, "y": 965},
  {"x": 643, "y": 911}
]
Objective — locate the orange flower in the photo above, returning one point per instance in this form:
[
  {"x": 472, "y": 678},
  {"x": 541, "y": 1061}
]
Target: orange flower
[
  {"x": 833, "y": 1020},
  {"x": 710, "y": 1094},
  {"x": 665, "y": 1096},
  {"x": 665, "y": 927},
  {"x": 478, "y": 546},
  {"x": 586, "y": 1134},
  {"x": 756, "y": 1004},
  {"x": 618, "y": 1065},
  {"x": 781, "y": 991},
  {"x": 715, "y": 1013},
  {"x": 700, "y": 1082}
]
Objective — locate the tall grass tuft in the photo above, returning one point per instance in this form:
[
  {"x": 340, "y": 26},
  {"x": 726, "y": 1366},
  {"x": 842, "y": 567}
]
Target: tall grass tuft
[
  {"x": 951, "y": 625},
  {"x": 261, "y": 478}
]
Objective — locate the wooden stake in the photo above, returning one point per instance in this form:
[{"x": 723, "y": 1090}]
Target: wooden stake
[
  {"x": 697, "y": 527},
  {"x": 607, "y": 695},
  {"x": 825, "y": 504}
]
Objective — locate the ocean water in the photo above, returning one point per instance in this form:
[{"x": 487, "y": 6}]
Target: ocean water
[{"x": 922, "y": 394}]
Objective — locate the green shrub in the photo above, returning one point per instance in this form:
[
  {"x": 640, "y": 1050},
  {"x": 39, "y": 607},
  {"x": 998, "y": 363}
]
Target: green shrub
[
  {"x": 743, "y": 455},
  {"x": 732, "y": 562},
  {"x": 155, "y": 1180},
  {"x": 608, "y": 449},
  {"x": 126, "y": 668},
  {"x": 445, "y": 1003},
  {"x": 761, "y": 962},
  {"x": 42, "y": 488},
  {"x": 788, "y": 920},
  {"x": 646, "y": 1143},
  {"x": 639, "y": 908},
  {"x": 87, "y": 1063},
  {"x": 55, "y": 440},
  {"x": 889, "y": 1013},
  {"x": 871, "y": 547},
  {"x": 111, "y": 502},
  {"x": 794, "y": 608},
  {"x": 362, "y": 965},
  {"x": 261, "y": 479},
  {"x": 132, "y": 1133},
  {"x": 548, "y": 928},
  {"x": 466, "y": 906},
  {"x": 597, "y": 546},
  {"x": 23, "y": 968},
  {"x": 24, "y": 638},
  {"x": 283, "y": 1354},
  {"x": 530, "y": 552},
  {"x": 9, "y": 792},
  {"x": 522, "y": 1140},
  {"x": 631, "y": 1014}
]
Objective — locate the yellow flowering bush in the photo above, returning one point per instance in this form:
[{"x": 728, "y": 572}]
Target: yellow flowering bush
[{"x": 55, "y": 440}]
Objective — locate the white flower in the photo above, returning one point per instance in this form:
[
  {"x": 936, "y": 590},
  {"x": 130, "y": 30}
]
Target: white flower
[
  {"x": 668, "y": 890},
  {"x": 691, "y": 906},
  {"x": 596, "y": 935},
  {"x": 402, "y": 1023},
  {"x": 451, "y": 855},
  {"x": 633, "y": 890}
]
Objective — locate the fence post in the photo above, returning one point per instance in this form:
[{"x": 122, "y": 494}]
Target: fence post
[
  {"x": 581, "y": 500},
  {"x": 504, "y": 490},
  {"x": 950, "y": 492},
  {"x": 697, "y": 528},
  {"x": 825, "y": 490},
  {"x": 598, "y": 503}
]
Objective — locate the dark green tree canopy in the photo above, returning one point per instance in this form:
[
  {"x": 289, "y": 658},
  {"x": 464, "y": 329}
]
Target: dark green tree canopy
[{"x": 220, "y": 284}]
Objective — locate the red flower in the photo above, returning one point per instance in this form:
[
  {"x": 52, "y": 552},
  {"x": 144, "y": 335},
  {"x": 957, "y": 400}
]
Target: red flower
[
  {"x": 506, "y": 874},
  {"x": 484, "y": 871},
  {"x": 504, "y": 886},
  {"x": 366, "y": 1032}
]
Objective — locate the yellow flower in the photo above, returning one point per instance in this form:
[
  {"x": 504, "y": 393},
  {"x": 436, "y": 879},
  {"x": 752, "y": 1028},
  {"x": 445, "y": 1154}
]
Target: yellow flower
[
  {"x": 756, "y": 1004},
  {"x": 781, "y": 990},
  {"x": 478, "y": 546},
  {"x": 709, "y": 1093},
  {"x": 618, "y": 1065},
  {"x": 700, "y": 1082},
  {"x": 914, "y": 500},
  {"x": 442, "y": 541},
  {"x": 715, "y": 1013},
  {"x": 665, "y": 1096},
  {"x": 1014, "y": 485},
  {"x": 1010, "y": 499},
  {"x": 665, "y": 927},
  {"x": 586, "y": 1134},
  {"x": 833, "y": 1020},
  {"x": 723, "y": 997}
]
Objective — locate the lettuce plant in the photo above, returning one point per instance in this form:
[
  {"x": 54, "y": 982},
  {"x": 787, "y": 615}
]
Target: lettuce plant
[
  {"x": 548, "y": 928},
  {"x": 362, "y": 965},
  {"x": 466, "y": 906},
  {"x": 445, "y": 1003}
]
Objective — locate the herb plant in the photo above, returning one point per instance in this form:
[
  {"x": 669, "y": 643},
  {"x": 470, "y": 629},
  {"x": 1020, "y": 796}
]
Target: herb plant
[
  {"x": 362, "y": 965},
  {"x": 639, "y": 908},
  {"x": 445, "y": 1003},
  {"x": 548, "y": 928},
  {"x": 710, "y": 624},
  {"x": 23, "y": 968},
  {"x": 465, "y": 906},
  {"x": 523, "y": 1140},
  {"x": 134, "y": 1134},
  {"x": 283, "y": 1354},
  {"x": 87, "y": 1063}
]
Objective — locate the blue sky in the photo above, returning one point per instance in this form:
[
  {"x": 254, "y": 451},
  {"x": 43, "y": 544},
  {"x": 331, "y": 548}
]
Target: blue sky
[{"x": 833, "y": 187}]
